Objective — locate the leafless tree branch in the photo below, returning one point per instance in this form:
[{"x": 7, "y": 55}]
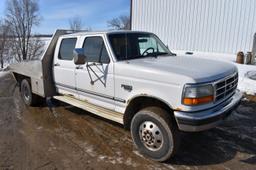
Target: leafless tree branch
[
  {"x": 36, "y": 47},
  {"x": 75, "y": 24},
  {"x": 4, "y": 41},
  {"x": 22, "y": 16},
  {"x": 120, "y": 23}
]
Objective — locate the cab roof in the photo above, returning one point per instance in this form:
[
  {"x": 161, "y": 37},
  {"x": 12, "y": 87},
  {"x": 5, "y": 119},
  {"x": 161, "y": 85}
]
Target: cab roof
[{"x": 80, "y": 33}]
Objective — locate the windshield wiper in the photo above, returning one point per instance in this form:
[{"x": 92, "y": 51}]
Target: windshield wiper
[
  {"x": 152, "y": 55},
  {"x": 162, "y": 53},
  {"x": 137, "y": 57},
  {"x": 155, "y": 55},
  {"x": 142, "y": 56}
]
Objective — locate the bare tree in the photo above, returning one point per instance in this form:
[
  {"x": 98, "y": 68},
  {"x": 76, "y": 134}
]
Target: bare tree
[
  {"x": 75, "y": 24},
  {"x": 22, "y": 16},
  {"x": 36, "y": 47},
  {"x": 4, "y": 41},
  {"x": 120, "y": 23}
]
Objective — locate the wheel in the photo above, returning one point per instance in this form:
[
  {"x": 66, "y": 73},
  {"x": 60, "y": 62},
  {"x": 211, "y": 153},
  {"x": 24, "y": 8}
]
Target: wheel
[
  {"x": 155, "y": 134},
  {"x": 28, "y": 97}
]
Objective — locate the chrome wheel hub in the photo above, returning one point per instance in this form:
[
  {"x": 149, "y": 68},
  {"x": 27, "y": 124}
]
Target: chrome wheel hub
[{"x": 151, "y": 136}]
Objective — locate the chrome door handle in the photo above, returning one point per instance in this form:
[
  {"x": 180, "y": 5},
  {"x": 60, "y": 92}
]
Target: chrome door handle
[{"x": 56, "y": 64}]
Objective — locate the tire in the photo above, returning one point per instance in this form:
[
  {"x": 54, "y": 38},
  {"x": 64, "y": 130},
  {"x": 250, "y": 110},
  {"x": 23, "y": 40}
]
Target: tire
[
  {"x": 28, "y": 97},
  {"x": 155, "y": 134}
]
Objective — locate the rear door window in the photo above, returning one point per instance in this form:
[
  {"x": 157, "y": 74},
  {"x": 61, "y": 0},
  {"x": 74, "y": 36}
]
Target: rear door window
[{"x": 66, "y": 48}]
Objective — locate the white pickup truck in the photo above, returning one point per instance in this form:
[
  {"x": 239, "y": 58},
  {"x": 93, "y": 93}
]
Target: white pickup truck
[{"x": 132, "y": 78}]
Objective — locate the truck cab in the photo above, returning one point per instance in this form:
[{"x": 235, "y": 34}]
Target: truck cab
[
  {"x": 132, "y": 78},
  {"x": 93, "y": 81}
]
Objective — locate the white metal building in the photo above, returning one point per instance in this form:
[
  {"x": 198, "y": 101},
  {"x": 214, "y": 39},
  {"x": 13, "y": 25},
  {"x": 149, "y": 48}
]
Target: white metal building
[{"x": 223, "y": 26}]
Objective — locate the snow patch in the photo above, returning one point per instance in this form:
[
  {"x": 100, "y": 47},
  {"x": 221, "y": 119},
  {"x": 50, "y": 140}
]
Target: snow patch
[{"x": 117, "y": 160}]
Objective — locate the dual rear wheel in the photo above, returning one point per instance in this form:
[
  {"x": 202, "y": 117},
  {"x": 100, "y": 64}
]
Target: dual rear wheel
[{"x": 28, "y": 97}]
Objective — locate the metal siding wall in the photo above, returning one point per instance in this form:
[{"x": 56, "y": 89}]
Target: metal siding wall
[{"x": 224, "y": 26}]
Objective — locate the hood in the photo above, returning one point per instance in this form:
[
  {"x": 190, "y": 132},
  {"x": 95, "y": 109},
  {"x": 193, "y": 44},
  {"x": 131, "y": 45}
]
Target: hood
[{"x": 196, "y": 70}]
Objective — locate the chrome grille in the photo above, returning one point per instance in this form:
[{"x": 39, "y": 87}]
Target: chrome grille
[{"x": 226, "y": 87}]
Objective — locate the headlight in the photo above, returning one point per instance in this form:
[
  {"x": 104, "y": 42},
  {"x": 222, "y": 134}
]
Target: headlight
[{"x": 196, "y": 95}]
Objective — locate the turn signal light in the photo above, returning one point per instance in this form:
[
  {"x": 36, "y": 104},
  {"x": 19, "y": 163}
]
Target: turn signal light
[{"x": 197, "y": 101}]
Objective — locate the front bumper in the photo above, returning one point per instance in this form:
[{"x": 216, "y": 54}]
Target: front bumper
[{"x": 207, "y": 119}]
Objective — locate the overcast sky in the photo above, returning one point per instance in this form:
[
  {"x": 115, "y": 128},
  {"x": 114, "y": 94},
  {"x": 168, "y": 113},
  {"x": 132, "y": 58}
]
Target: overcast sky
[{"x": 94, "y": 13}]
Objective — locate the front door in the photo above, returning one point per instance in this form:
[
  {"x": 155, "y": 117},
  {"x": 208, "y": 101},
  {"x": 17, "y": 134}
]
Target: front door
[{"x": 94, "y": 80}]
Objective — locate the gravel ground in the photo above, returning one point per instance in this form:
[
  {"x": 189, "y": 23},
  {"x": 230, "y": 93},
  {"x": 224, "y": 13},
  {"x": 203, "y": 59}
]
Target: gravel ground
[{"x": 64, "y": 137}]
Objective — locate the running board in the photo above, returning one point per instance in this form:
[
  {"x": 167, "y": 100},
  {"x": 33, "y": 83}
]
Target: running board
[{"x": 99, "y": 111}]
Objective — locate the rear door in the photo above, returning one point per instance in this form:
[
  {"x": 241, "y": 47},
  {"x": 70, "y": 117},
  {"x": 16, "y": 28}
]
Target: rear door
[{"x": 64, "y": 67}]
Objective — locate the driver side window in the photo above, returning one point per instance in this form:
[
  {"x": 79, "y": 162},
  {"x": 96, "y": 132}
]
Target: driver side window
[{"x": 95, "y": 50}]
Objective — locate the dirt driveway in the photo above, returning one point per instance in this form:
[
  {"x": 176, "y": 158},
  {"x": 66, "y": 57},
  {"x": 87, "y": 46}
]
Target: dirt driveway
[{"x": 65, "y": 137}]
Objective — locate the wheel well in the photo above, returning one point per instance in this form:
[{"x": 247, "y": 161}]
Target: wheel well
[
  {"x": 20, "y": 77},
  {"x": 139, "y": 103}
]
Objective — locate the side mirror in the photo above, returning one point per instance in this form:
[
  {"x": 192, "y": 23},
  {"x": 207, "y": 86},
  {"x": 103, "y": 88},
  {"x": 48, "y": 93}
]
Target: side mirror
[{"x": 79, "y": 57}]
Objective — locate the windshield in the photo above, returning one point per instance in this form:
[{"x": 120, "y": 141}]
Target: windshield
[{"x": 136, "y": 45}]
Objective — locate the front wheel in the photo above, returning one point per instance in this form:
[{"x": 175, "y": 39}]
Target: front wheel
[{"x": 155, "y": 134}]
